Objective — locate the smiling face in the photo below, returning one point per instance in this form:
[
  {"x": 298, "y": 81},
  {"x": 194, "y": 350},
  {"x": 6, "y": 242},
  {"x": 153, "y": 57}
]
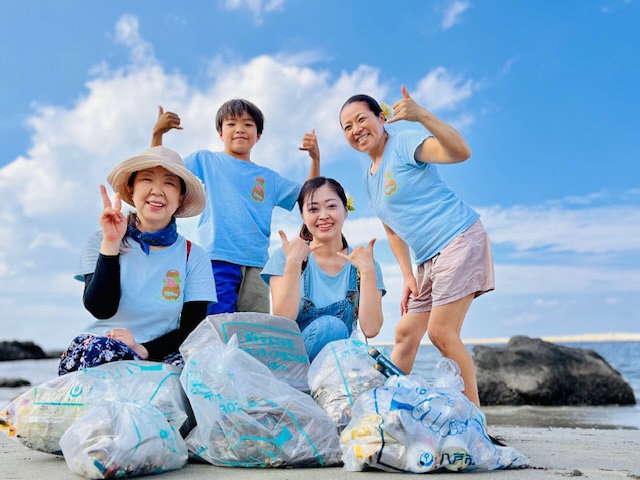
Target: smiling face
[
  {"x": 363, "y": 129},
  {"x": 156, "y": 196},
  {"x": 324, "y": 214},
  {"x": 239, "y": 135}
]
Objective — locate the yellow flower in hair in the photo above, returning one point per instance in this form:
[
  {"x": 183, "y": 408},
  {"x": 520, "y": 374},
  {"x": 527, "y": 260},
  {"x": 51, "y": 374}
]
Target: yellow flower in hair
[
  {"x": 386, "y": 110},
  {"x": 350, "y": 206}
]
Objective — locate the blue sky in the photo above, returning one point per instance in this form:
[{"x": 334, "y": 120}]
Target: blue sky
[{"x": 547, "y": 95}]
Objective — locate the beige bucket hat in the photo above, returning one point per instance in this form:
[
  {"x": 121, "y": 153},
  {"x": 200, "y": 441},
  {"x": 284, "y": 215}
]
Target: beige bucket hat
[{"x": 194, "y": 199}]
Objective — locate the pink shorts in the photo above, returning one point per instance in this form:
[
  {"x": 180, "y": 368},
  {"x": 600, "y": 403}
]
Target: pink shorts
[{"x": 463, "y": 267}]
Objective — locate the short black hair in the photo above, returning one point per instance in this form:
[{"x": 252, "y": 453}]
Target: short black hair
[
  {"x": 373, "y": 105},
  {"x": 235, "y": 108}
]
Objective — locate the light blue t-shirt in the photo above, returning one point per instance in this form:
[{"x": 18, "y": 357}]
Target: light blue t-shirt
[
  {"x": 153, "y": 287},
  {"x": 324, "y": 289},
  {"x": 411, "y": 198},
  {"x": 236, "y": 224}
]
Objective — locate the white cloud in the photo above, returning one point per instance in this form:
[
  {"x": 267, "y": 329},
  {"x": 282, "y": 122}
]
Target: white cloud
[
  {"x": 51, "y": 200},
  {"x": 525, "y": 279},
  {"x": 453, "y": 13},
  {"x": 127, "y": 33},
  {"x": 443, "y": 90},
  {"x": 256, "y": 7},
  {"x": 560, "y": 227}
]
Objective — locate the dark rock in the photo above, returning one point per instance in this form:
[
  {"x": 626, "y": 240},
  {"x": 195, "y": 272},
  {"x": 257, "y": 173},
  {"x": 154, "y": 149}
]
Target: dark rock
[
  {"x": 530, "y": 371},
  {"x": 20, "y": 351},
  {"x": 13, "y": 382}
]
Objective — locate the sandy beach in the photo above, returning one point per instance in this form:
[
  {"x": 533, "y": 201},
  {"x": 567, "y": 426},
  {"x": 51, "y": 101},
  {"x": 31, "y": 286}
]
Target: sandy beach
[
  {"x": 590, "y": 442},
  {"x": 605, "y": 452}
]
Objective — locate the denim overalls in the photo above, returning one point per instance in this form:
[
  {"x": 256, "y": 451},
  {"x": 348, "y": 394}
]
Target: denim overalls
[{"x": 320, "y": 326}]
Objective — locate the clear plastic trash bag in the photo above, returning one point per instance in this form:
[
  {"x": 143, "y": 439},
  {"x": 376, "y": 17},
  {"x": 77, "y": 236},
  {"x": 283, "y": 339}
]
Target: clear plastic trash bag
[
  {"x": 121, "y": 439},
  {"x": 339, "y": 374},
  {"x": 409, "y": 425},
  {"x": 274, "y": 341},
  {"x": 245, "y": 416},
  {"x": 39, "y": 417}
]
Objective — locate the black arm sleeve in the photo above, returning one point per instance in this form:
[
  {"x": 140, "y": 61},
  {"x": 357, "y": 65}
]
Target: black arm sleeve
[
  {"x": 102, "y": 287},
  {"x": 192, "y": 314}
]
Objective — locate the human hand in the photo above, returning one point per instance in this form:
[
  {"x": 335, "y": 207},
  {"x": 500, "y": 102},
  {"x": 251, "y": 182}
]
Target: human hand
[
  {"x": 166, "y": 121},
  {"x": 361, "y": 257},
  {"x": 410, "y": 287},
  {"x": 406, "y": 108},
  {"x": 310, "y": 144},
  {"x": 126, "y": 337},
  {"x": 112, "y": 220},
  {"x": 122, "y": 334},
  {"x": 297, "y": 250}
]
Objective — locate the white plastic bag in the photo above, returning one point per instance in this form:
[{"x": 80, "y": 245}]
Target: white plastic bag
[
  {"x": 245, "y": 416},
  {"x": 40, "y": 416},
  {"x": 339, "y": 374},
  {"x": 411, "y": 426},
  {"x": 274, "y": 341},
  {"x": 121, "y": 439}
]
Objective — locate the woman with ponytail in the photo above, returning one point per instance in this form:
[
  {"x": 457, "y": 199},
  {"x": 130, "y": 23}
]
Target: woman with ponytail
[
  {"x": 145, "y": 284},
  {"x": 318, "y": 280}
]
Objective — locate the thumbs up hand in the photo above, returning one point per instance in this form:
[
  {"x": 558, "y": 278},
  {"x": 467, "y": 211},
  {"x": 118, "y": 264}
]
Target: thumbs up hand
[{"x": 406, "y": 108}]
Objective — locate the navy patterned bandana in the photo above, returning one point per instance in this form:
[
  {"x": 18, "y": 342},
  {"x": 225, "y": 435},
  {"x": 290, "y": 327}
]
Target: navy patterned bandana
[{"x": 162, "y": 238}]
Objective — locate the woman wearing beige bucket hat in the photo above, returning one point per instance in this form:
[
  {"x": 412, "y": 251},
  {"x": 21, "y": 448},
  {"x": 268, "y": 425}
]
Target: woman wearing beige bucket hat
[{"x": 146, "y": 285}]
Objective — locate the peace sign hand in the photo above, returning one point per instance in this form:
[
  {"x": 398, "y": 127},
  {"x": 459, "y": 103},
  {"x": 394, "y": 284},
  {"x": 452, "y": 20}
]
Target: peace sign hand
[
  {"x": 112, "y": 220},
  {"x": 406, "y": 109},
  {"x": 361, "y": 257}
]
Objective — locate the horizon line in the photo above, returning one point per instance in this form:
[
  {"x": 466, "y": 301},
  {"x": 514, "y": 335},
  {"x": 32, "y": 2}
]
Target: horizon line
[{"x": 573, "y": 338}]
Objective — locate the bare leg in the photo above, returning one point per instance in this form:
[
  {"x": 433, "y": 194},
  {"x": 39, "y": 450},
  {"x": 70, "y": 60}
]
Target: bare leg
[
  {"x": 445, "y": 325},
  {"x": 409, "y": 332}
]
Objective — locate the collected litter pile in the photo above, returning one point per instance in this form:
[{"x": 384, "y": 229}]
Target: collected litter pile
[
  {"x": 122, "y": 439},
  {"x": 241, "y": 401},
  {"x": 246, "y": 416},
  {"x": 409, "y": 425},
  {"x": 339, "y": 374},
  {"x": 150, "y": 392}
]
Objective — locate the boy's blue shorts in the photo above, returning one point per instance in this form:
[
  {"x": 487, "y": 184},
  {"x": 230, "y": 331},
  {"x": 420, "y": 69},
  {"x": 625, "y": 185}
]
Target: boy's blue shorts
[{"x": 239, "y": 289}]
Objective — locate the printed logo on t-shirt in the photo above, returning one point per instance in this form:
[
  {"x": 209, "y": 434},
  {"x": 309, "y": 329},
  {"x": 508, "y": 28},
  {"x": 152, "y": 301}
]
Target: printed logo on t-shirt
[
  {"x": 171, "y": 288},
  {"x": 390, "y": 185},
  {"x": 258, "y": 190}
]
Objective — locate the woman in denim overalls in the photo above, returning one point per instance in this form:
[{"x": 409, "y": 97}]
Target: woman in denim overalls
[{"x": 317, "y": 280}]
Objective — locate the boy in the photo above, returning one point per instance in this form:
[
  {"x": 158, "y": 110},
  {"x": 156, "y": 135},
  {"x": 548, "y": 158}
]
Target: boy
[{"x": 235, "y": 227}]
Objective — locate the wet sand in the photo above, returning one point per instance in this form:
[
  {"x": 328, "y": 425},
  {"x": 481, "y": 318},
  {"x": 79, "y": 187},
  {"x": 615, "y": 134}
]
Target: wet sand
[{"x": 606, "y": 452}]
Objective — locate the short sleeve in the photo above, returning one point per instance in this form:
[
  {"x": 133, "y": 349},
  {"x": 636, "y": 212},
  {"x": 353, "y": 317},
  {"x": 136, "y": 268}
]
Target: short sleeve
[
  {"x": 407, "y": 142},
  {"x": 379, "y": 279},
  {"x": 288, "y": 192},
  {"x": 194, "y": 165},
  {"x": 200, "y": 285},
  {"x": 274, "y": 266},
  {"x": 89, "y": 256}
]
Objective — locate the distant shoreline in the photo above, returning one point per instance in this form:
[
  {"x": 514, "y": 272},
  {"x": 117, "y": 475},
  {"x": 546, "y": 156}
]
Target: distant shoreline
[
  {"x": 576, "y": 338},
  {"x": 582, "y": 338}
]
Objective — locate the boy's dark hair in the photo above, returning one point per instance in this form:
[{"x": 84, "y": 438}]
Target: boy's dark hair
[
  {"x": 235, "y": 108},
  {"x": 307, "y": 191},
  {"x": 373, "y": 105}
]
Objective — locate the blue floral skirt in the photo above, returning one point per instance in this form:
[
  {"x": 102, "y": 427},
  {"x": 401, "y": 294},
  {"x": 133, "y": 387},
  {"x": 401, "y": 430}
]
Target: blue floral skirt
[{"x": 87, "y": 350}]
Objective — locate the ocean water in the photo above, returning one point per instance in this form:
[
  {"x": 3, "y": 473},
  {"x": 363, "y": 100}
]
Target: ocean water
[{"x": 622, "y": 356}]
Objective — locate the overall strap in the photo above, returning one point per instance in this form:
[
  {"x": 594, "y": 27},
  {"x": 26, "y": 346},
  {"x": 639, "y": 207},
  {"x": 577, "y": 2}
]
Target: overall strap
[{"x": 305, "y": 278}]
